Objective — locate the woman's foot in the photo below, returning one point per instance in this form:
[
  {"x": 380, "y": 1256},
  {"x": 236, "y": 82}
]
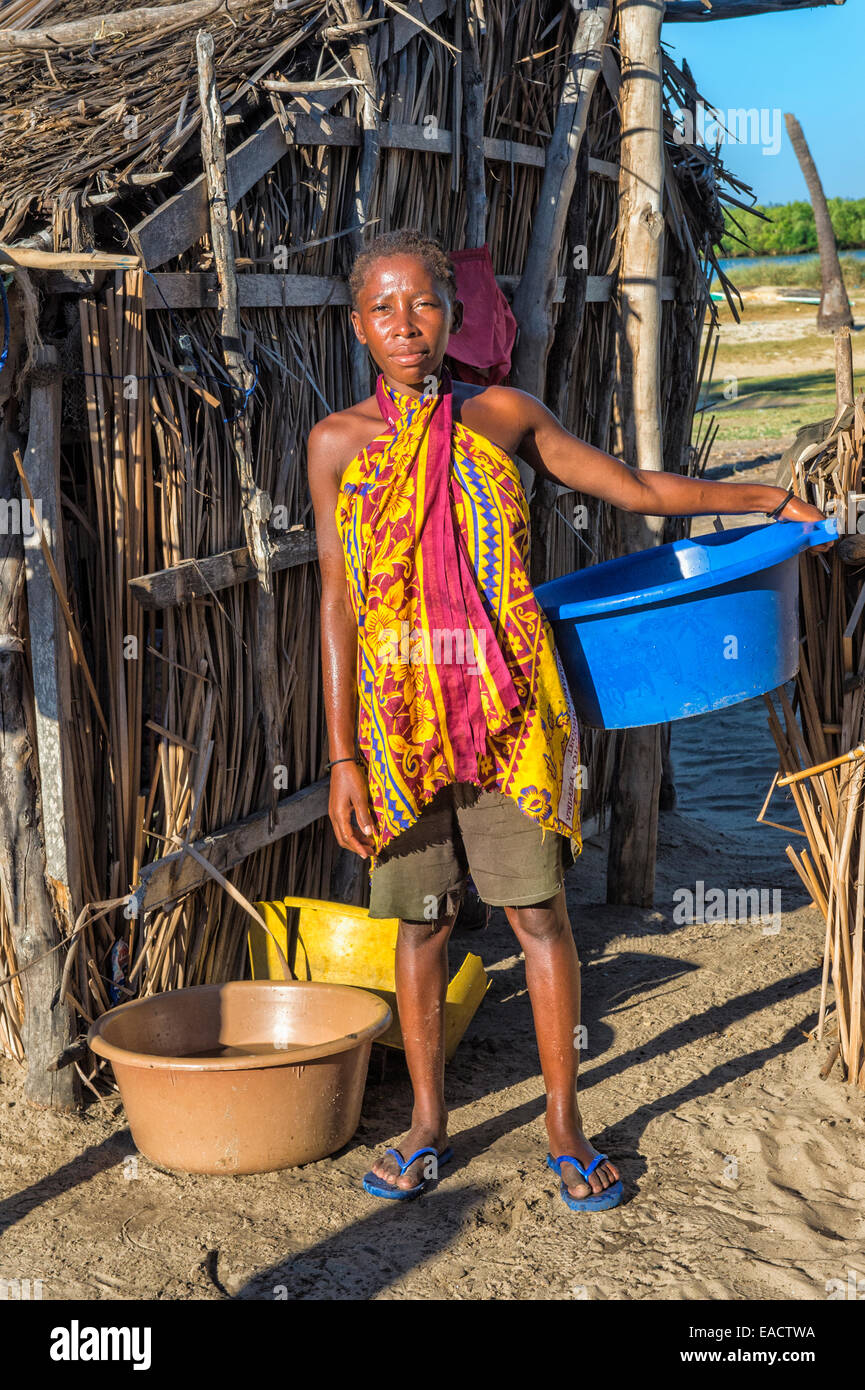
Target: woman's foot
[
  {"x": 568, "y": 1138},
  {"x": 422, "y": 1135}
]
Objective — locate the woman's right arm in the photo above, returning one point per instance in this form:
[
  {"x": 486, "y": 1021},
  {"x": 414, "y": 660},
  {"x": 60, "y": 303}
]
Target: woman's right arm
[{"x": 348, "y": 785}]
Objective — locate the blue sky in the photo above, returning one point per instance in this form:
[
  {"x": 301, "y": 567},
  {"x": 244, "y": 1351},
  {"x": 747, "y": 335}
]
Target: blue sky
[{"x": 808, "y": 62}]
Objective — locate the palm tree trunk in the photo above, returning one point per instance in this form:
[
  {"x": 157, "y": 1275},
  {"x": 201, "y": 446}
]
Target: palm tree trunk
[{"x": 834, "y": 311}]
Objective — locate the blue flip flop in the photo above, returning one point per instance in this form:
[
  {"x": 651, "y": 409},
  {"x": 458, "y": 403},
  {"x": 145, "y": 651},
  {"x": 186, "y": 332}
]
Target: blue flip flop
[
  {"x": 379, "y": 1188},
  {"x": 599, "y": 1201}
]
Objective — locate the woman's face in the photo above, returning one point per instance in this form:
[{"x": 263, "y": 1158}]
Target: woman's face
[{"x": 404, "y": 317}]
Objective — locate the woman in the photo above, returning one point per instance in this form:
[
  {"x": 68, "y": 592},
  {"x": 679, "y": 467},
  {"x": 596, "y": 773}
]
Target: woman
[{"x": 468, "y": 746}]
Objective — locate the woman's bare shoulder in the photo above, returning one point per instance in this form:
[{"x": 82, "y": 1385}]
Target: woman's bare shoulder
[
  {"x": 336, "y": 439},
  {"x": 497, "y": 412}
]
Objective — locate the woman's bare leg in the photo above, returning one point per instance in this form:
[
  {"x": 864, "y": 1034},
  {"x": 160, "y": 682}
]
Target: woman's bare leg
[
  {"x": 553, "y": 979},
  {"x": 421, "y": 986}
]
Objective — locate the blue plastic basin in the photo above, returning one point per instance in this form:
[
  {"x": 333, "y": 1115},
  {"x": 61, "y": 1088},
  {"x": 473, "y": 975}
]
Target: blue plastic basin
[{"x": 683, "y": 628}]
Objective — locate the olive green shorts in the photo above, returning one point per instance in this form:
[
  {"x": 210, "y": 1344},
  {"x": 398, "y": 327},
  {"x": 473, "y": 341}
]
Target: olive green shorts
[{"x": 464, "y": 830}]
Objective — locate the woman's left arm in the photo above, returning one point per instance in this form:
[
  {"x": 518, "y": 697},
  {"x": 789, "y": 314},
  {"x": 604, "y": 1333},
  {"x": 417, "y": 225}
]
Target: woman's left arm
[{"x": 557, "y": 454}]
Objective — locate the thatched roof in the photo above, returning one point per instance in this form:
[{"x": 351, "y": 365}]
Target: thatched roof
[
  {"x": 92, "y": 117},
  {"x": 88, "y": 115}
]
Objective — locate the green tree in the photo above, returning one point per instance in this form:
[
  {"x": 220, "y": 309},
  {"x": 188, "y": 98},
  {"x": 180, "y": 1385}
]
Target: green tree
[{"x": 790, "y": 229}]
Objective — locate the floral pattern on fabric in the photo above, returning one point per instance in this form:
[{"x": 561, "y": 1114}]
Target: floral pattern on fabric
[{"x": 484, "y": 699}]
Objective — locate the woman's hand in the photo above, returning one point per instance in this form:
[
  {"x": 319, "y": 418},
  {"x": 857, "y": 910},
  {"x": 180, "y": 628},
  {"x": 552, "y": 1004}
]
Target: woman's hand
[
  {"x": 798, "y": 510},
  {"x": 349, "y": 791}
]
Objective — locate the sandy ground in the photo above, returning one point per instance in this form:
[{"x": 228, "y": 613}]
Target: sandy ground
[
  {"x": 777, "y": 338},
  {"x": 742, "y": 1167}
]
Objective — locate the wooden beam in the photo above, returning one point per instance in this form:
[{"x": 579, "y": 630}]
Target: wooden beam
[
  {"x": 694, "y": 11},
  {"x": 197, "y": 290},
  {"x": 513, "y": 152},
  {"x": 326, "y": 84},
  {"x": 603, "y": 168},
  {"x": 193, "y": 579},
  {"x": 178, "y": 873},
  {"x": 105, "y": 28},
  {"x": 29, "y": 257},
  {"x": 194, "y": 290},
  {"x": 182, "y": 219},
  {"x": 341, "y": 31}
]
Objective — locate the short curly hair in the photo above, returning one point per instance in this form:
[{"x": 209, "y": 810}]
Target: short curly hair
[{"x": 403, "y": 242}]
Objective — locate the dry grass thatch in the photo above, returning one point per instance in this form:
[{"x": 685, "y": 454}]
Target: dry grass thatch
[
  {"x": 825, "y": 724},
  {"x": 149, "y": 477}
]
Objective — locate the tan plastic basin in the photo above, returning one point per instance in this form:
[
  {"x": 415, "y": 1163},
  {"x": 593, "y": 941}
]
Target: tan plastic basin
[{"x": 242, "y": 1077}]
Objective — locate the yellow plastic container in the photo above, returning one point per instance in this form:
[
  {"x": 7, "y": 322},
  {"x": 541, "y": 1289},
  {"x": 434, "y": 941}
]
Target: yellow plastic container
[{"x": 342, "y": 944}]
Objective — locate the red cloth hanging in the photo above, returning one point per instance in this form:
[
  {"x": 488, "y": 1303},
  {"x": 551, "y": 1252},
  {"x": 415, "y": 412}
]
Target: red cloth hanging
[{"x": 481, "y": 351}]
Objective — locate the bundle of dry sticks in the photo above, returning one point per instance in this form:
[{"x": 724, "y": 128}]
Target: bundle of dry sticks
[{"x": 821, "y": 745}]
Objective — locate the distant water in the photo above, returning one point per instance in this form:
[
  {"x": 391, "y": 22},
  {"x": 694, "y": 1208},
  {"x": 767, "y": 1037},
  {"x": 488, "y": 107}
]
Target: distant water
[{"x": 733, "y": 263}]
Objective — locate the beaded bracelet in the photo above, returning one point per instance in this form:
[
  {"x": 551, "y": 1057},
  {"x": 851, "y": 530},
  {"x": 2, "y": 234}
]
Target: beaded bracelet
[{"x": 781, "y": 505}]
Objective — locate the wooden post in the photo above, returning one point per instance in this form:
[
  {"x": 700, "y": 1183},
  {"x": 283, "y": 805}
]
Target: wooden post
[
  {"x": 257, "y": 504},
  {"x": 49, "y": 640},
  {"x": 346, "y": 880},
  {"x": 560, "y": 364},
  {"x": 533, "y": 300},
  {"x": 637, "y": 773},
  {"x": 843, "y": 367},
  {"x": 473, "y": 111},
  {"x": 641, "y": 216},
  {"x": 47, "y": 1028},
  {"x": 367, "y": 110}
]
